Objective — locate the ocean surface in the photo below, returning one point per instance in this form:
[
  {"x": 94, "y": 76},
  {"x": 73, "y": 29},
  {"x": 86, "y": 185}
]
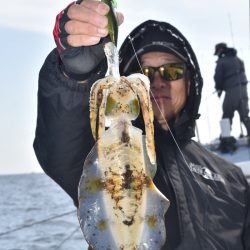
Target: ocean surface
[
  {"x": 35, "y": 205},
  {"x": 36, "y": 214}
]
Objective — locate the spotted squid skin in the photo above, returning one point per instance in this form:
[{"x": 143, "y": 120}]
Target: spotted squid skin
[
  {"x": 122, "y": 100},
  {"x": 119, "y": 206}
]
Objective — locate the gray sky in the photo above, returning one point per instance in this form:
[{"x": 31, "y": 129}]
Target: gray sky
[{"x": 26, "y": 39}]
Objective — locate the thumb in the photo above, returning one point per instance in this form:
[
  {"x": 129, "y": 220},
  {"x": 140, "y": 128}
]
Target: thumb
[{"x": 120, "y": 18}]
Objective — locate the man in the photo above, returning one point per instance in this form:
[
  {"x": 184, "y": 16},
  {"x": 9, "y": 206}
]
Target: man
[
  {"x": 230, "y": 77},
  {"x": 209, "y": 197}
]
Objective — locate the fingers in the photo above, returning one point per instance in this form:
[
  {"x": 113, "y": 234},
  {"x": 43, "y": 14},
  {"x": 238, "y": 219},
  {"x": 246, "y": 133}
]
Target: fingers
[
  {"x": 73, "y": 27},
  {"x": 88, "y": 23},
  {"x": 120, "y": 18},
  {"x": 82, "y": 40},
  {"x": 89, "y": 15},
  {"x": 97, "y": 6}
]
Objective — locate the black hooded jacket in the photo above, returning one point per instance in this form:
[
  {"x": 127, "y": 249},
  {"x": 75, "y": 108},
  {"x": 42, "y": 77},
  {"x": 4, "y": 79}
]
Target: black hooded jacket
[
  {"x": 229, "y": 71},
  {"x": 210, "y": 198}
]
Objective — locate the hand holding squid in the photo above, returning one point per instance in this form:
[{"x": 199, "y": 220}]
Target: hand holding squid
[{"x": 80, "y": 33}]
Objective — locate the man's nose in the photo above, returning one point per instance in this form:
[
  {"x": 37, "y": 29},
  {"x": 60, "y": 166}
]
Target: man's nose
[{"x": 157, "y": 81}]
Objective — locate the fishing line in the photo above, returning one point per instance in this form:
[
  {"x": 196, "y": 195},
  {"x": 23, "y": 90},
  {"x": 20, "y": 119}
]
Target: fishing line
[
  {"x": 67, "y": 238},
  {"x": 164, "y": 119},
  {"x": 35, "y": 223},
  {"x": 129, "y": 37}
]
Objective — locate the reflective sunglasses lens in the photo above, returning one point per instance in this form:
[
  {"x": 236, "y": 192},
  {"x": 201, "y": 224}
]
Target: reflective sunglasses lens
[
  {"x": 149, "y": 72},
  {"x": 171, "y": 72}
]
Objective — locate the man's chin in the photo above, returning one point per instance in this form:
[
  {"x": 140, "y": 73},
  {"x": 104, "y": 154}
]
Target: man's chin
[
  {"x": 159, "y": 116},
  {"x": 165, "y": 115},
  {"x": 162, "y": 110}
]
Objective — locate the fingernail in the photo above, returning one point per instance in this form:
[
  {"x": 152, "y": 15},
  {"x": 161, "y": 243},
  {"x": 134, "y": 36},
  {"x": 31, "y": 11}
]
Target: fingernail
[
  {"x": 103, "y": 32},
  {"x": 104, "y": 8},
  {"x": 95, "y": 39}
]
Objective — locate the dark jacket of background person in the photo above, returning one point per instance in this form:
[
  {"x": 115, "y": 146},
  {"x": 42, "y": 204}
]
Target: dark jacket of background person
[
  {"x": 230, "y": 77},
  {"x": 229, "y": 70},
  {"x": 210, "y": 198}
]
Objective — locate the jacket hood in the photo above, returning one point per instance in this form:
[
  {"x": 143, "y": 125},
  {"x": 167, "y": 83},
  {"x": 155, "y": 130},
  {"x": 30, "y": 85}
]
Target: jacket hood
[
  {"x": 230, "y": 52},
  {"x": 160, "y": 36}
]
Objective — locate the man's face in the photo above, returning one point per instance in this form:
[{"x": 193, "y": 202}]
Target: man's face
[{"x": 168, "y": 96}]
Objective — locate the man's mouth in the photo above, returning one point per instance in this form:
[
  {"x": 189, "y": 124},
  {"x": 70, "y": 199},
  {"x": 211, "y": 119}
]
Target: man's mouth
[{"x": 158, "y": 97}]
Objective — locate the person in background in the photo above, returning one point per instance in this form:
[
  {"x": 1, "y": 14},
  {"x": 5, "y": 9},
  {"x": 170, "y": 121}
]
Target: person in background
[
  {"x": 210, "y": 197},
  {"x": 230, "y": 77}
]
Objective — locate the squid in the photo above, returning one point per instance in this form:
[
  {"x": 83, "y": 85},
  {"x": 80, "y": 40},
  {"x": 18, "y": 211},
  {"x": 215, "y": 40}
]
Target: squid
[{"x": 120, "y": 208}]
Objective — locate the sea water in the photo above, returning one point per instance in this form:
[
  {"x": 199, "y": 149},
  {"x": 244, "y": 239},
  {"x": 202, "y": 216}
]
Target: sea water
[{"x": 29, "y": 199}]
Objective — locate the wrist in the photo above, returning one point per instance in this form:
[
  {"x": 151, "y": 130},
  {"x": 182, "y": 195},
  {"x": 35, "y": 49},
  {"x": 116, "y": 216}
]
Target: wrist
[{"x": 100, "y": 69}]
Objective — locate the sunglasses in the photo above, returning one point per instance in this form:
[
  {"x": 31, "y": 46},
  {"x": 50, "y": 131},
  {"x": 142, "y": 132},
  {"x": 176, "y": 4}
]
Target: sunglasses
[{"x": 168, "y": 72}]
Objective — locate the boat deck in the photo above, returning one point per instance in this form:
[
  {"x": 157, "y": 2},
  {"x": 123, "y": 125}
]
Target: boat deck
[{"x": 241, "y": 156}]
